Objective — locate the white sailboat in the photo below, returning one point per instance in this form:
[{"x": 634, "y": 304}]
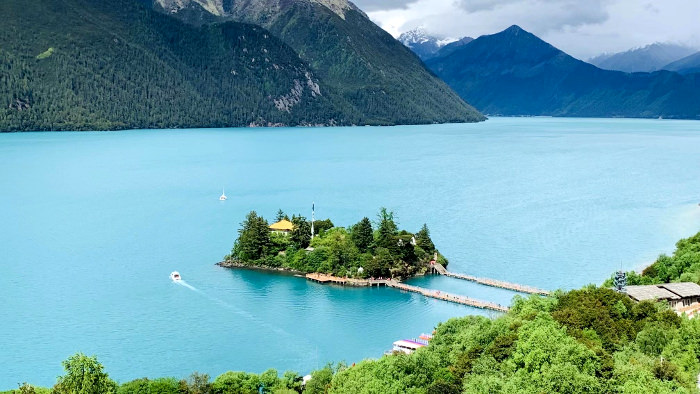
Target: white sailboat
[{"x": 223, "y": 195}]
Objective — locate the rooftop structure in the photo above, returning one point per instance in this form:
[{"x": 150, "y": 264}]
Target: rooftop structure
[
  {"x": 283, "y": 226},
  {"x": 684, "y": 290},
  {"x": 650, "y": 292},
  {"x": 683, "y": 297},
  {"x": 407, "y": 346}
]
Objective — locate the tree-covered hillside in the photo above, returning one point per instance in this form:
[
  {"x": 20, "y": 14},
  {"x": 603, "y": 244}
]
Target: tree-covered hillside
[
  {"x": 682, "y": 266},
  {"x": 79, "y": 64},
  {"x": 374, "y": 74}
]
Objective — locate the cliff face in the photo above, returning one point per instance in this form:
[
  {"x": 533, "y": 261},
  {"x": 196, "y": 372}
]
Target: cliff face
[{"x": 252, "y": 9}]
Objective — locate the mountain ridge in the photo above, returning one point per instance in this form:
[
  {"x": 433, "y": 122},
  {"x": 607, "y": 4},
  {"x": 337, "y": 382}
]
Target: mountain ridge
[
  {"x": 652, "y": 57},
  {"x": 428, "y": 46},
  {"x": 514, "y": 72},
  {"x": 374, "y": 74},
  {"x": 687, "y": 65}
]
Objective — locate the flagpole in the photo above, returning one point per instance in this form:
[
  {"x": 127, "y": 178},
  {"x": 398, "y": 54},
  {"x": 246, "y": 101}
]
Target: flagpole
[{"x": 313, "y": 206}]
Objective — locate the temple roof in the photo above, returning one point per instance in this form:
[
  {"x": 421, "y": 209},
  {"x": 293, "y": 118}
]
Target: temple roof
[{"x": 282, "y": 225}]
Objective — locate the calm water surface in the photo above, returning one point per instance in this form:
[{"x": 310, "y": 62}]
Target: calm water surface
[{"x": 91, "y": 224}]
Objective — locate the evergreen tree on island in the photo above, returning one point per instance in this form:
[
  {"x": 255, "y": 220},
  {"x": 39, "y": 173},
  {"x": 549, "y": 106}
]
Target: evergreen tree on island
[
  {"x": 387, "y": 229},
  {"x": 423, "y": 240},
  {"x": 281, "y": 216},
  {"x": 253, "y": 238},
  {"x": 363, "y": 235},
  {"x": 301, "y": 235}
]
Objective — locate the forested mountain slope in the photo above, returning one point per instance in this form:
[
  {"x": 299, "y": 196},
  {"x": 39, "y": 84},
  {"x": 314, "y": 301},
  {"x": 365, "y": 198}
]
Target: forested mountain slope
[
  {"x": 374, "y": 74},
  {"x": 84, "y": 65}
]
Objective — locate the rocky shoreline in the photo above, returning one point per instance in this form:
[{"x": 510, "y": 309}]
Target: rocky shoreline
[{"x": 236, "y": 265}]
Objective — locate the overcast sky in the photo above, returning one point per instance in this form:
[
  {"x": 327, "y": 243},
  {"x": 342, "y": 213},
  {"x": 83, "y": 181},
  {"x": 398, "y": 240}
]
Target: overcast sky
[{"x": 583, "y": 28}]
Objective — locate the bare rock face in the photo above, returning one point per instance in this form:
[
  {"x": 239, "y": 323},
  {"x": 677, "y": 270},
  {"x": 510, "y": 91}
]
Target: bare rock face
[
  {"x": 340, "y": 7},
  {"x": 288, "y": 101},
  {"x": 251, "y": 9},
  {"x": 20, "y": 104},
  {"x": 215, "y": 7}
]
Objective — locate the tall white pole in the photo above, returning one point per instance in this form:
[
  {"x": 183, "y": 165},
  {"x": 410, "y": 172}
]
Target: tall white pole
[{"x": 313, "y": 208}]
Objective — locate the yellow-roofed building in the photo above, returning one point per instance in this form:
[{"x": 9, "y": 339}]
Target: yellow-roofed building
[{"x": 283, "y": 226}]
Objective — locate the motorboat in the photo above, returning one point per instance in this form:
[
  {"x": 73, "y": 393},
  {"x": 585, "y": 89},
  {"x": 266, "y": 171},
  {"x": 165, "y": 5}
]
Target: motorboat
[
  {"x": 175, "y": 276},
  {"x": 223, "y": 196}
]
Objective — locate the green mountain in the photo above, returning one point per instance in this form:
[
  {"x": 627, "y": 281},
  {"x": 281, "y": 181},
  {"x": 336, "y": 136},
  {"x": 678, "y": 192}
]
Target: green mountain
[
  {"x": 85, "y": 65},
  {"x": 375, "y": 76},
  {"x": 516, "y": 73}
]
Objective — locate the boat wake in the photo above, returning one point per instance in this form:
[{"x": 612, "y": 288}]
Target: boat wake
[
  {"x": 233, "y": 308},
  {"x": 254, "y": 319},
  {"x": 189, "y": 286}
]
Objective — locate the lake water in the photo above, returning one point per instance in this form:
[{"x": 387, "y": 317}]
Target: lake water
[{"x": 91, "y": 224}]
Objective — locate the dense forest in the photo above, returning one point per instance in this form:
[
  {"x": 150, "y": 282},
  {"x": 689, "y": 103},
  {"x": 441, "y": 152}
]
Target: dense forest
[
  {"x": 83, "y": 65},
  {"x": 591, "y": 340},
  {"x": 87, "y": 65},
  {"x": 359, "y": 251},
  {"x": 373, "y": 74}
]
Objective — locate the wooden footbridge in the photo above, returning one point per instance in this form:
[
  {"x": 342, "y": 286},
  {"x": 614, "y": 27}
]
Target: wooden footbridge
[
  {"x": 437, "y": 294},
  {"x": 448, "y": 297},
  {"x": 490, "y": 282}
]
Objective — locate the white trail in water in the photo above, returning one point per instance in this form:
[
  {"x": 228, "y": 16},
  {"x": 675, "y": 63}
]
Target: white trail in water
[
  {"x": 189, "y": 286},
  {"x": 234, "y": 309}
]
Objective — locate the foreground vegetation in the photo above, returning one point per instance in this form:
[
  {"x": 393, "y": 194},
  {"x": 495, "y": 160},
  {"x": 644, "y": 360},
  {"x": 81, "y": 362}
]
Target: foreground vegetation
[
  {"x": 591, "y": 340},
  {"x": 358, "y": 251},
  {"x": 682, "y": 266}
]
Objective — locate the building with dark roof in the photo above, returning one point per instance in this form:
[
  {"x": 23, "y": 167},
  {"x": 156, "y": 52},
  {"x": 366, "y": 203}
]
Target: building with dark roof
[{"x": 678, "y": 295}]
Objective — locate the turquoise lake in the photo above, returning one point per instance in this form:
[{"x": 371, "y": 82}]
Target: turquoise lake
[{"x": 91, "y": 225}]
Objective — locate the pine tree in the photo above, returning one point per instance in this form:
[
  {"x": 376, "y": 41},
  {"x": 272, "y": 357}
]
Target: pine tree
[
  {"x": 387, "y": 229},
  {"x": 301, "y": 234},
  {"x": 423, "y": 240},
  {"x": 280, "y": 216},
  {"x": 253, "y": 238},
  {"x": 363, "y": 235}
]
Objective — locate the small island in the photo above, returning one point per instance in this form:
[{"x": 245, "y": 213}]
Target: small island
[{"x": 363, "y": 250}]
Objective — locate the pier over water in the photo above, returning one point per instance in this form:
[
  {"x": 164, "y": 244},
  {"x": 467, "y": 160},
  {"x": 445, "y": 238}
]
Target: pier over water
[
  {"x": 438, "y": 268},
  {"x": 437, "y": 294}
]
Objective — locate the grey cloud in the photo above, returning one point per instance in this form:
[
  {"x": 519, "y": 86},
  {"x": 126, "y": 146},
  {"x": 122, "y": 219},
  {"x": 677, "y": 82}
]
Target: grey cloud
[
  {"x": 381, "y": 5},
  {"x": 547, "y": 15}
]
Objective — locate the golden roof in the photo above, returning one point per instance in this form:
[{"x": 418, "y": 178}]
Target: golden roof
[{"x": 282, "y": 225}]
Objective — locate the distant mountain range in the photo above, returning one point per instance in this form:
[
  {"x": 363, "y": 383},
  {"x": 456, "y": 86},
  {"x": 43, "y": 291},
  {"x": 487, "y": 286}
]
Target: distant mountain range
[
  {"x": 687, "y": 65},
  {"x": 427, "y": 46},
  {"x": 86, "y": 65},
  {"x": 516, "y": 73},
  {"x": 421, "y": 43},
  {"x": 650, "y": 58}
]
